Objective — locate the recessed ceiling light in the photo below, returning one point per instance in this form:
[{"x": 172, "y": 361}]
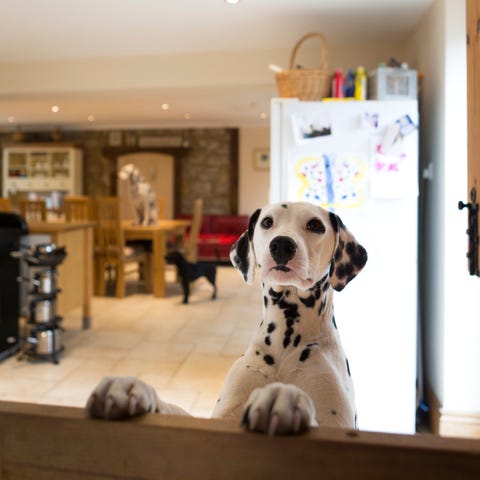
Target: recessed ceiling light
[
  {"x": 11, "y": 119},
  {"x": 91, "y": 118},
  {"x": 165, "y": 106},
  {"x": 232, "y": 2},
  {"x": 55, "y": 108}
]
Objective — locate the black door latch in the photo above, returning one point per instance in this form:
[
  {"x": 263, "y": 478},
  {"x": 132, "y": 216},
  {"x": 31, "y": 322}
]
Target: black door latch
[{"x": 472, "y": 232}]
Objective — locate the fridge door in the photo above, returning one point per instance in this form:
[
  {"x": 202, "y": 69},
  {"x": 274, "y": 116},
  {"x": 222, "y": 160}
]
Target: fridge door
[{"x": 360, "y": 159}]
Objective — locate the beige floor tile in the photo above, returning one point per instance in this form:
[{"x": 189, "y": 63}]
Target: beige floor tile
[{"x": 184, "y": 351}]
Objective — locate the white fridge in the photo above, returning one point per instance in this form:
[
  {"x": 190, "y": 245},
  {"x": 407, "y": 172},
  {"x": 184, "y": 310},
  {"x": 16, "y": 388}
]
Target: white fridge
[{"x": 360, "y": 159}]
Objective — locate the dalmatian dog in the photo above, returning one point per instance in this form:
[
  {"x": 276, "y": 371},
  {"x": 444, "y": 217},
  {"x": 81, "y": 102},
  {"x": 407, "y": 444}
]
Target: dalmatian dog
[
  {"x": 294, "y": 374},
  {"x": 141, "y": 195}
]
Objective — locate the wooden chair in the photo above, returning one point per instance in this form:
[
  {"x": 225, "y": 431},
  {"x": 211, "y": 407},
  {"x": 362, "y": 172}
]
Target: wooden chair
[
  {"x": 5, "y": 204},
  {"x": 110, "y": 250},
  {"x": 191, "y": 250},
  {"x": 33, "y": 210},
  {"x": 160, "y": 207},
  {"x": 77, "y": 208}
]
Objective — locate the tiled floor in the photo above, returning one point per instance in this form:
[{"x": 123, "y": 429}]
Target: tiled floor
[{"x": 185, "y": 351}]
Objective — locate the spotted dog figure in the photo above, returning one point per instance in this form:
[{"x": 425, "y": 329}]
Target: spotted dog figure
[
  {"x": 141, "y": 194},
  {"x": 294, "y": 374}
]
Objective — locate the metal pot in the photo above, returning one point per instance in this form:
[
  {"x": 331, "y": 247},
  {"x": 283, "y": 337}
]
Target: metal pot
[
  {"x": 45, "y": 281},
  {"x": 44, "y": 311},
  {"x": 46, "y": 341}
]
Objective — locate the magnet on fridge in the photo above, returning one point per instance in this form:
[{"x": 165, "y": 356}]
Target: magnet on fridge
[
  {"x": 369, "y": 120},
  {"x": 406, "y": 125},
  {"x": 389, "y": 138}
]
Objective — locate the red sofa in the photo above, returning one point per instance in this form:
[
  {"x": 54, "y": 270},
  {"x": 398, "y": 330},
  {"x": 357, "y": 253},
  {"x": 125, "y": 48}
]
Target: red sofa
[{"x": 217, "y": 235}]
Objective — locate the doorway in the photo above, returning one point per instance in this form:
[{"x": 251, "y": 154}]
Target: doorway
[{"x": 158, "y": 171}]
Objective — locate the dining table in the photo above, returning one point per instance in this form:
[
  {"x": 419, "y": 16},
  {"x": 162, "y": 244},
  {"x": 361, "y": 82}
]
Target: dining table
[{"x": 157, "y": 234}]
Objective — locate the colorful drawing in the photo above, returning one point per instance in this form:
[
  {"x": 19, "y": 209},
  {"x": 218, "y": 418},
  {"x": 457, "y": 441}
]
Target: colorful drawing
[
  {"x": 332, "y": 180},
  {"x": 312, "y": 127},
  {"x": 390, "y": 174}
]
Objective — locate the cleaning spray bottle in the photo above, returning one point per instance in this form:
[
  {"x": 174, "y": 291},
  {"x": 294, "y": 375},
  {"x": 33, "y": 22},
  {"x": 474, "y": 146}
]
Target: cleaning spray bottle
[
  {"x": 337, "y": 84},
  {"x": 349, "y": 84},
  {"x": 360, "y": 84}
]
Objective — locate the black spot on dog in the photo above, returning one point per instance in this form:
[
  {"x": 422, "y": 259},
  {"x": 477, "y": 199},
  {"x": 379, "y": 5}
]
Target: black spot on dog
[
  {"x": 252, "y": 222},
  {"x": 304, "y": 355},
  {"x": 240, "y": 258},
  {"x": 322, "y": 306},
  {"x": 265, "y": 301},
  {"x": 348, "y": 367},
  {"x": 340, "y": 271},
  {"x": 271, "y": 327},
  {"x": 267, "y": 340},
  {"x": 313, "y": 344},
  {"x": 284, "y": 205},
  {"x": 358, "y": 255},
  {"x": 333, "y": 412},
  {"x": 288, "y": 335},
  {"x": 334, "y": 221},
  {"x": 290, "y": 310},
  {"x": 309, "y": 302},
  {"x": 257, "y": 352},
  {"x": 334, "y": 323},
  {"x": 297, "y": 340},
  {"x": 326, "y": 286},
  {"x": 332, "y": 269},
  {"x": 269, "y": 360},
  {"x": 275, "y": 296},
  {"x": 218, "y": 400}
]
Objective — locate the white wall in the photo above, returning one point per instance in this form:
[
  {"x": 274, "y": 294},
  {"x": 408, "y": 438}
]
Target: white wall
[
  {"x": 253, "y": 184},
  {"x": 452, "y": 303},
  {"x": 462, "y": 299},
  {"x": 426, "y": 53}
]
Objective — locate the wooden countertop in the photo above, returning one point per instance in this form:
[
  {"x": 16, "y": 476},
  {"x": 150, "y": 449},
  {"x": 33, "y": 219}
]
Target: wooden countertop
[{"x": 57, "y": 227}]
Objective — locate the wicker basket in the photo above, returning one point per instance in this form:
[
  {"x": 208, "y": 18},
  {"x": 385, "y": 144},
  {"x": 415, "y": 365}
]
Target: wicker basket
[{"x": 305, "y": 84}]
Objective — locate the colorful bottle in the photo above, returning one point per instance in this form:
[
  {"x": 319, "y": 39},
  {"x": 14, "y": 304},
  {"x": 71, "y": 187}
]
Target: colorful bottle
[
  {"x": 360, "y": 84},
  {"x": 337, "y": 84},
  {"x": 349, "y": 84}
]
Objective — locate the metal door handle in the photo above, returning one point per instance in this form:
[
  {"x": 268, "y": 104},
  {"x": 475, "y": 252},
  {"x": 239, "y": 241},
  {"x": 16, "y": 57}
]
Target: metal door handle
[{"x": 472, "y": 232}]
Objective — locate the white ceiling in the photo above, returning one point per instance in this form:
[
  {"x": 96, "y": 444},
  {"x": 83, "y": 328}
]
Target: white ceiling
[{"x": 33, "y": 31}]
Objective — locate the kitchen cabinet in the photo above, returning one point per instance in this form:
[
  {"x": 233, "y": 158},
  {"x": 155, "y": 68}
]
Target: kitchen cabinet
[{"x": 44, "y": 171}]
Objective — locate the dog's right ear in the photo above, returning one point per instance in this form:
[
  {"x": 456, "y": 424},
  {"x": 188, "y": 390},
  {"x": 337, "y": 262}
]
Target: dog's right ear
[{"x": 242, "y": 254}]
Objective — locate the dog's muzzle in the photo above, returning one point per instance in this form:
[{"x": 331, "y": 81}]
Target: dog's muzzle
[{"x": 282, "y": 250}]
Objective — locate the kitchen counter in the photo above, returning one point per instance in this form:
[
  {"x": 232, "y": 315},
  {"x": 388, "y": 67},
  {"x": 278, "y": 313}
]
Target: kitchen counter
[{"x": 75, "y": 273}]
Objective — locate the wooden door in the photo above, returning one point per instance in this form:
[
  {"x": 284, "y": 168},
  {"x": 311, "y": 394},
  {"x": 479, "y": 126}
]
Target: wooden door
[
  {"x": 473, "y": 102},
  {"x": 158, "y": 170}
]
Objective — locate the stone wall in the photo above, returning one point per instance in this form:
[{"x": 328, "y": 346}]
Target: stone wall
[{"x": 206, "y": 161}]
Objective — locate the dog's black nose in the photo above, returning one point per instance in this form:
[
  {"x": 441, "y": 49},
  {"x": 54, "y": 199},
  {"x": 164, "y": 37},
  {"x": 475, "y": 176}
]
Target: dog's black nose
[{"x": 282, "y": 249}]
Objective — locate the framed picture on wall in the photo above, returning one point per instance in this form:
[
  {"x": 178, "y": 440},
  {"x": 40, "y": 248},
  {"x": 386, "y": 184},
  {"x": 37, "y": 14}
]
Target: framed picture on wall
[{"x": 261, "y": 159}]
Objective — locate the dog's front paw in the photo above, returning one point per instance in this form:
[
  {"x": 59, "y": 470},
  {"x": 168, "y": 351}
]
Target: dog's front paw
[
  {"x": 118, "y": 397},
  {"x": 278, "y": 409}
]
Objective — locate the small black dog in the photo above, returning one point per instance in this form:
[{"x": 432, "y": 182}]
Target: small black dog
[{"x": 188, "y": 272}]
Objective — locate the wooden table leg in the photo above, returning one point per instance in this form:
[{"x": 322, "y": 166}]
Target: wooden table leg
[
  {"x": 88, "y": 287},
  {"x": 158, "y": 247}
]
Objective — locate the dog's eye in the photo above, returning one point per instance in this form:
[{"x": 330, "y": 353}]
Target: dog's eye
[
  {"x": 316, "y": 226},
  {"x": 266, "y": 223}
]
